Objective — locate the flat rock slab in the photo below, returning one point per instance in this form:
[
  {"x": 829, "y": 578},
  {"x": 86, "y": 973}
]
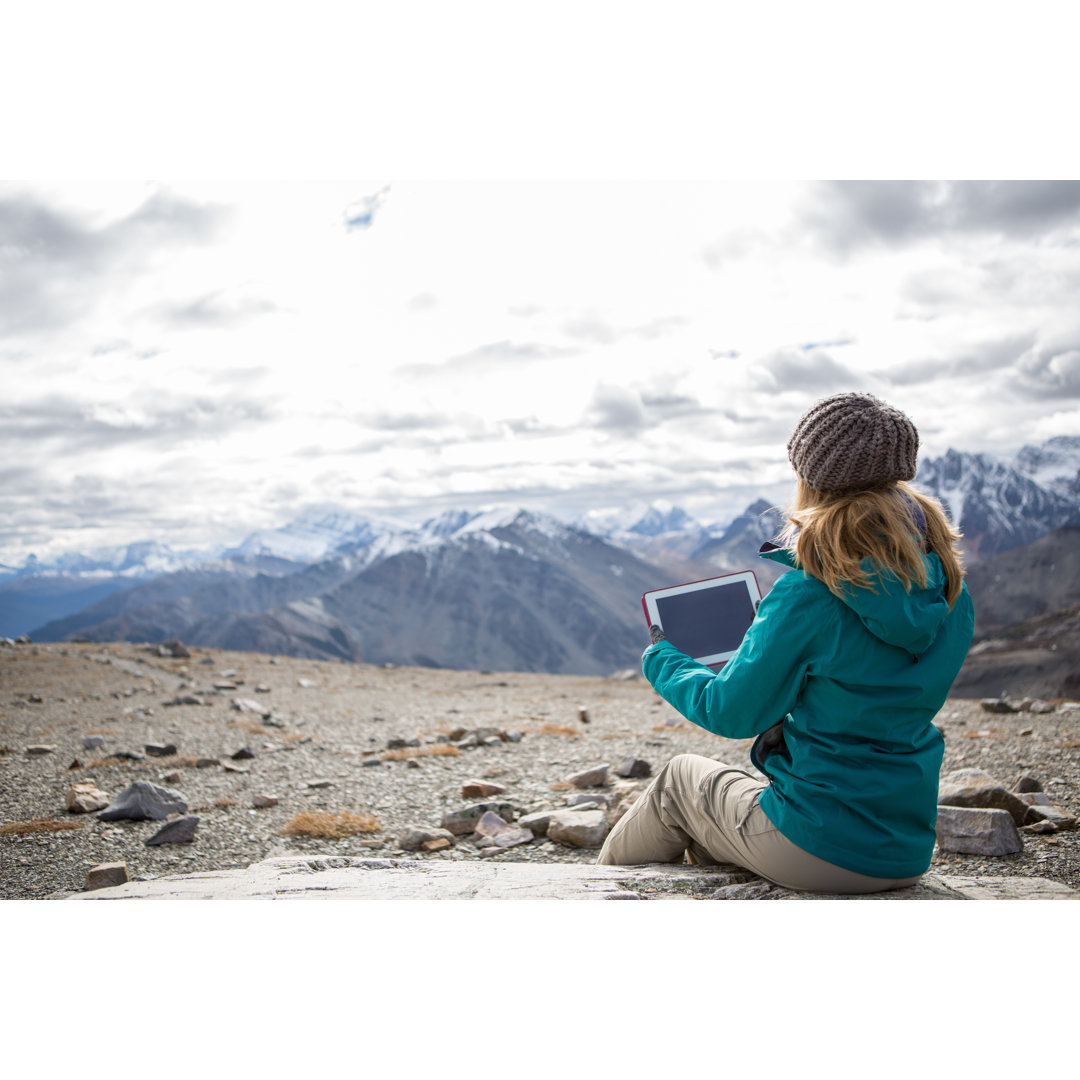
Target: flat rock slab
[{"x": 354, "y": 878}]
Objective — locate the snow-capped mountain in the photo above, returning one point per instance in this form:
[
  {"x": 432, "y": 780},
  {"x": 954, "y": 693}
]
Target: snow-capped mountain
[
  {"x": 507, "y": 589},
  {"x": 996, "y": 506},
  {"x": 315, "y": 534},
  {"x": 1055, "y": 465}
]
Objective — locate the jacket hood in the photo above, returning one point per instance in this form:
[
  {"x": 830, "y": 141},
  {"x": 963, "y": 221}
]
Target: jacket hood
[{"x": 908, "y": 620}]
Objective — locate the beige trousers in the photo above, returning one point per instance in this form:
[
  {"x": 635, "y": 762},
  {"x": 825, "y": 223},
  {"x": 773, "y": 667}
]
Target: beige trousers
[{"x": 709, "y": 812}]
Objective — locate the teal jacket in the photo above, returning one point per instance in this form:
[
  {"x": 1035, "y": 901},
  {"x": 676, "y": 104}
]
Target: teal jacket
[{"x": 856, "y": 684}]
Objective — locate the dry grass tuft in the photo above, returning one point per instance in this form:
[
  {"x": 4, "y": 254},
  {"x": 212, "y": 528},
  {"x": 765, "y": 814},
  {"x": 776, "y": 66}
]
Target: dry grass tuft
[
  {"x": 253, "y": 727},
  {"x": 223, "y": 802},
  {"x": 296, "y": 736},
  {"x": 331, "y": 826},
  {"x": 561, "y": 785},
  {"x": 104, "y": 731},
  {"x": 22, "y": 828},
  {"x": 183, "y": 760},
  {"x": 559, "y": 729},
  {"x": 439, "y": 750},
  {"x": 674, "y": 727},
  {"x": 1069, "y": 744}
]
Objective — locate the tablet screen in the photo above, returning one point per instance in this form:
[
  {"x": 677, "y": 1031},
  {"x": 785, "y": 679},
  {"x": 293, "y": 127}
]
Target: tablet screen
[{"x": 705, "y": 619}]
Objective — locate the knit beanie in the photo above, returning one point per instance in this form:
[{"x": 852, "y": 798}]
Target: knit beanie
[{"x": 853, "y": 442}]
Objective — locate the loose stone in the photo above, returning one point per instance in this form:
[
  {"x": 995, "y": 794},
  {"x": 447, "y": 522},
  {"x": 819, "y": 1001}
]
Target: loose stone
[
  {"x": 144, "y": 801},
  {"x": 105, "y": 875},
  {"x": 243, "y": 754},
  {"x": 414, "y": 837},
  {"x": 996, "y": 705},
  {"x": 206, "y": 762},
  {"x": 93, "y": 742},
  {"x": 160, "y": 749},
  {"x": 85, "y": 798},
  {"x": 597, "y": 776},
  {"x": 478, "y": 789},
  {"x": 462, "y": 822},
  {"x": 39, "y": 750},
  {"x": 1027, "y": 783},
  {"x": 261, "y": 802},
  {"x": 633, "y": 768},
  {"x": 972, "y": 831},
  {"x": 578, "y": 828},
  {"x": 180, "y": 831}
]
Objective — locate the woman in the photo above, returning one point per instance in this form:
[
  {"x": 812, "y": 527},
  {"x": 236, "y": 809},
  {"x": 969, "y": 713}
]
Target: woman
[{"x": 840, "y": 676}]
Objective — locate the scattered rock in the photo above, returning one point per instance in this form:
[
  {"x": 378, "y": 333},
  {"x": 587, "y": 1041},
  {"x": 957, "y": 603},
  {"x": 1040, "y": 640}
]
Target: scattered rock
[
  {"x": 305, "y": 684},
  {"x": 971, "y": 831},
  {"x": 160, "y": 749},
  {"x": 536, "y": 822},
  {"x": 228, "y": 766},
  {"x": 513, "y": 736},
  {"x": 261, "y": 802},
  {"x": 207, "y": 762},
  {"x": 1040, "y": 827},
  {"x": 1048, "y": 812},
  {"x": 597, "y": 776},
  {"x": 975, "y": 788},
  {"x": 578, "y": 828},
  {"x": 461, "y": 822},
  {"x": 996, "y": 705},
  {"x": 172, "y": 778},
  {"x": 513, "y": 836},
  {"x": 262, "y": 688},
  {"x": 173, "y": 648},
  {"x": 582, "y": 714},
  {"x": 40, "y": 750},
  {"x": 633, "y": 768},
  {"x": 93, "y": 742},
  {"x": 479, "y": 789},
  {"x": 105, "y": 875},
  {"x": 1027, "y": 783},
  {"x": 414, "y": 837},
  {"x": 23, "y": 639},
  {"x": 371, "y": 761},
  {"x": 398, "y": 743},
  {"x": 143, "y": 801},
  {"x": 1035, "y": 705},
  {"x": 180, "y": 831},
  {"x": 245, "y": 753},
  {"x": 436, "y": 845},
  {"x": 85, "y": 798},
  {"x": 320, "y": 783},
  {"x": 588, "y": 800},
  {"x": 1035, "y": 798},
  {"x": 490, "y": 824},
  {"x": 127, "y": 755},
  {"x": 185, "y": 699},
  {"x": 246, "y": 705}
]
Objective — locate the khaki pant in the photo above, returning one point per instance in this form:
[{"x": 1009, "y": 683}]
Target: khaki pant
[{"x": 710, "y": 812}]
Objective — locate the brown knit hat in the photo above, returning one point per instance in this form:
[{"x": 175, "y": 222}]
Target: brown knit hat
[{"x": 853, "y": 442}]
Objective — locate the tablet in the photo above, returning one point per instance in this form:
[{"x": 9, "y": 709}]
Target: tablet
[{"x": 705, "y": 619}]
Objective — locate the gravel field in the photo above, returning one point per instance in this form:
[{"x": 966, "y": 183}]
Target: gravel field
[{"x": 326, "y": 720}]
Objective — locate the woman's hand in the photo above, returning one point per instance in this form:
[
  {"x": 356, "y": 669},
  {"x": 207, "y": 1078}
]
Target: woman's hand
[{"x": 656, "y": 634}]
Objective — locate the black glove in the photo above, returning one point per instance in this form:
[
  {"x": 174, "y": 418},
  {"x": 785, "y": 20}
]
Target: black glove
[{"x": 656, "y": 634}]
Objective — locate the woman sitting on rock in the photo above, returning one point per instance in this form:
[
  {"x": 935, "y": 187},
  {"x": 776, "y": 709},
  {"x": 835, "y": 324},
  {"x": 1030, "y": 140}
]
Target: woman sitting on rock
[{"x": 849, "y": 658}]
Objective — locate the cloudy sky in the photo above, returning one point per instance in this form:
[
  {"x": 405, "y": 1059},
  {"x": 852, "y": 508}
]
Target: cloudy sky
[{"x": 188, "y": 361}]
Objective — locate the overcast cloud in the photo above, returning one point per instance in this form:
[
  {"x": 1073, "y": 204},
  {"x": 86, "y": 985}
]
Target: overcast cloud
[{"x": 191, "y": 362}]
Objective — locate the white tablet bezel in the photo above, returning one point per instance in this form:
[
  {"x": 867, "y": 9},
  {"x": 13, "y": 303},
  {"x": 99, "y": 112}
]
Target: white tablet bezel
[{"x": 747, "y": 577}]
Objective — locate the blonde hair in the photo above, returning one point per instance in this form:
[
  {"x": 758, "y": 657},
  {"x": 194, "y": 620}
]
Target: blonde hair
[{"x": 830, "y": 534}]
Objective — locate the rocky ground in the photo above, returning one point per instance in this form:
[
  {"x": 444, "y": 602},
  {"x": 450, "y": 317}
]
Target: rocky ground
[{"x": 324, "y": 738}]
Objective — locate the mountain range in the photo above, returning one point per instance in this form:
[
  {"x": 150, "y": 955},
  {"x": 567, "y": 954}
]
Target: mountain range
[{"x": 506, "y": 589}]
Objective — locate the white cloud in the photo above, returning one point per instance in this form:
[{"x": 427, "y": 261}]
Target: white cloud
[{"x": 216, "y": 353}]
